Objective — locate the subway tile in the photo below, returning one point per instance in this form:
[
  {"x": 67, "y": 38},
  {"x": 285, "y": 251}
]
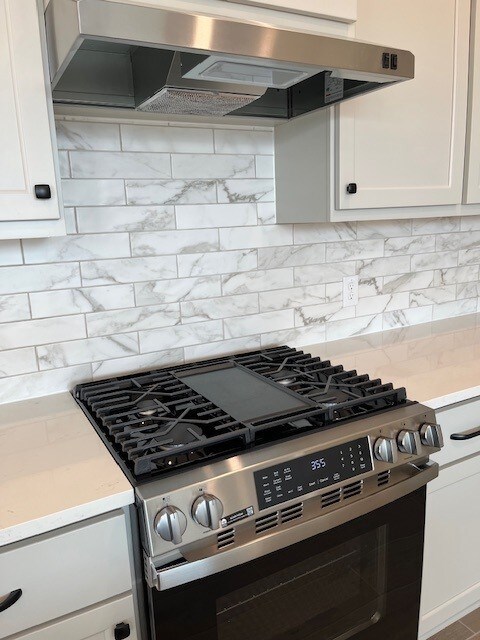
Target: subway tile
[
  {"x": 321, "y": 274},
  {"x": 406, "y": 317},
  {"x": 383, "y": 266},
  {"x": 147, "y": 361},
  {"x": 34, "y": 332},
  {"x": 212, "y": 166},
  {"x": 10, "y": 252},
  {"x": 260, "y": 280},
  {"x": 381, "y": 303},
  {"x": 201, "y": 264},
  {"x": 251, "y": 237},
  {"x": 181, "y": 335},
  {"x": 44, "y": 383},
  {"x": 166, "y": 139},
  {"x": 17, "y": 362},
  {"x": 435, "y": 225},
  {"x": 86, "y": 300},
  {"x": 106, "y": 323},
  {"x": 223, "y": 347},
  {"x": 14, "y": 307},
  {"x": 259, "y": 323},
  {"x": 264, "y": 167},
  {"x": 370, "y": 287},
  {"x": 432, "y": 295},
  {"x": 456, "y": 308},
  {"x": 85, "y": 193},
  {"x": 116, "y": 164},
  {"x": 464, "y": 290},
  {"x": 39, "y": 277},
  {"x": 291, "y": 256},
  {"x": 128, "y": 270},
  {"x": 152, "y": 243},
  {"x": 70, "y": 221},
  {"x": 469, "y": 256},
  {"x": 457, "y": 241},
  {"x": 215, "y": 215},
  {"x": 147, "y": 192},
  {"x": 163, "y": 291},
  {"x": 77, "y": 247},
  {"x": 64, "y": 164},
  {"x": 411, "y": 245},
  {"x": 254, "y": 190},
  {"x": 408, "y": 281},
  {"x": 319, "y": 313},
  {"x": 383, "y": 229},
  {"x": 456, "y": 275},
  {"x": 291, "y": 298},
  {"x": 440, "y": 260},
  {"x": 353, "y": 327},
  {"x": 216, "y": 308},
  {"x": 295, "y": 337},
  {"x": 87, "y": 135},
  {"x": 237, "y": 141},
  {"x": 354, "y": 250},
  {"x": 266, "y": 212},
  {"x": 316, "y": 233},
  {"x": 148, "y": 218},
  {"x": 66, "y": 354},
  {"x": 470, "y": 223}
]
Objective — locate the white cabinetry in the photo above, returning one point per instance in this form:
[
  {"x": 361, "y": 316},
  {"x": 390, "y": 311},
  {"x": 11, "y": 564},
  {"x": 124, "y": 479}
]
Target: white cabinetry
[
  {"x": 472, "y": 169},
  {"x": 451, "y": 574},
  {"x": 342, "y": 10},
  {"x": 28, "y": 153}
]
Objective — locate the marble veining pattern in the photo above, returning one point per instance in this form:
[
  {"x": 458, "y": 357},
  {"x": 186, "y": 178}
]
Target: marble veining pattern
[{"x": 172, "y": 254}]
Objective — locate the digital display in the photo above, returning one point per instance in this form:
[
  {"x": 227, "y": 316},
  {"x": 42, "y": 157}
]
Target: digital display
[{"x": 297, "y": 477}]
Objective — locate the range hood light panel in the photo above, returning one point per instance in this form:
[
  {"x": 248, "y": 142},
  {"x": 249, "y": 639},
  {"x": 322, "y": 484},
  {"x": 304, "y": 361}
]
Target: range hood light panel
[{"x": 226, "y": 70}]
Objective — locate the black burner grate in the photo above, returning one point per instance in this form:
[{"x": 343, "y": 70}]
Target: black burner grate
[{"x": 154, "y": 422}]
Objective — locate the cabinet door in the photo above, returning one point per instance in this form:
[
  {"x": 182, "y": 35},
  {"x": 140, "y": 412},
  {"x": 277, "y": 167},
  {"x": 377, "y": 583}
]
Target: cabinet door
[
  {"x": 342, "y": 10},
  {"x": 97, "y": 623},
  {"x": 27, "y": 155},
  {"x": 472, "y": 169},
  {"x": 404, "y": 145},
  {"x": 451, "y": 572}
]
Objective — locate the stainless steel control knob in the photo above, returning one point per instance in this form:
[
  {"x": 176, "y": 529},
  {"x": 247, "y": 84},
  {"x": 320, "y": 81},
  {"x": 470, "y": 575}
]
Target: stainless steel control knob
[
  {"x": 385, "y": 449},
  {"x": 431, "y": 435},
  {"x": 207, "y": 511},
  {"x": 170, "y": 524},
  {"x": 407, "y": 442}
]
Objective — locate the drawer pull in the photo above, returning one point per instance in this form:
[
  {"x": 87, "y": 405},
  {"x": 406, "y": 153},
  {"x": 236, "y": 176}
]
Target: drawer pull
[
  {"x": 10, "y": 599},
  {"x": 466, "y": 435}
]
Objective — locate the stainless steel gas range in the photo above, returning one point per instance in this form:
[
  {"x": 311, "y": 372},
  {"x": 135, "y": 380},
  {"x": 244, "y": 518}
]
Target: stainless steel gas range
[{"x": 279, "y": 496}]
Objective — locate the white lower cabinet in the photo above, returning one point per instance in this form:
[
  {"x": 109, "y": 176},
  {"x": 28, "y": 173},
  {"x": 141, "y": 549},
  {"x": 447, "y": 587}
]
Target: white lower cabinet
[
  {"x": 451, "y": 574},
  {"x": 97, "y": 623}
]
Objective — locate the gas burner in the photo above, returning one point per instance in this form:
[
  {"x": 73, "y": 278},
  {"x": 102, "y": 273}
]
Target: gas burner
[
  {"x": 181, "y": 433},
  {"x": 147, "y": 407}
]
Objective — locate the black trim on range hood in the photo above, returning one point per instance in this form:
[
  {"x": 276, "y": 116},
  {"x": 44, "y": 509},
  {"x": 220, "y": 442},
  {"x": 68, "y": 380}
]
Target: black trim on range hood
[{"x": 118, "y": 54}]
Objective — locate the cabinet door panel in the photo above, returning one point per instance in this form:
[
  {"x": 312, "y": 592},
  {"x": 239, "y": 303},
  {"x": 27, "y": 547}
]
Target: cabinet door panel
[
  {"x": 25, "y": 136},
  {"x": 343, "y": 10},
  {"x": 472, "y": 169},
  {"x": 404, "y": 145}
]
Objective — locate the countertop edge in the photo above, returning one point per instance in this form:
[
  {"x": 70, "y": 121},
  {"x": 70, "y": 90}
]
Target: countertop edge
[{"x": 452, "y": 398}]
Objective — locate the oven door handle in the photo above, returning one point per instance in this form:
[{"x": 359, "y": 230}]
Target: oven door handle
[{"x": 188, "y": 571}]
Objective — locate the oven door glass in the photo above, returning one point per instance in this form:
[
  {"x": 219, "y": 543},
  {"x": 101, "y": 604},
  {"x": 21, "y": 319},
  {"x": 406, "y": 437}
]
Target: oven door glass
[{"x": 360, "y": 580}]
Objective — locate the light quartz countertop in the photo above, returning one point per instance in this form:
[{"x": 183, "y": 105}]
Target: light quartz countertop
[
  {"x": 437, "y": 362},
  {"x": 54, "y": 469}
]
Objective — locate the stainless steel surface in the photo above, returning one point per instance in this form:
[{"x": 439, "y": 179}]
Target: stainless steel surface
[
  {"x": 407, "y": 441},
  {"x": 207, "y": 511},
  {"x": 170, "y": 524},
  {"x": 278, "y": 539},
  {"x": 431, "y": 435},
  {"x": 385, "y": 449},
  {"x": 232, "y": 479},
  {"x": 100, "y": 26}
]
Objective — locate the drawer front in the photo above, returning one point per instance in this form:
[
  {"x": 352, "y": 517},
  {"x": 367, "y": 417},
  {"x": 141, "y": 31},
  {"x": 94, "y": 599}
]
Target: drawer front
[
  {"x": 60, "y": 574},
  {"x": 455, "y": 419},
  {"x": 97, "y": 623}
]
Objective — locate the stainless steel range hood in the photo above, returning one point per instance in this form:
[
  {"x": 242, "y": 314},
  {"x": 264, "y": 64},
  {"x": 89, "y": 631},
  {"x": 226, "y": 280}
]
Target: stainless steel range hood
[{"x": 117, "y": 54}]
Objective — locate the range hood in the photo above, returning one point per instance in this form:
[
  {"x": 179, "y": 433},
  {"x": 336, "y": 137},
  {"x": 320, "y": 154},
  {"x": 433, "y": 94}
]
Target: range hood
[{"x": 118, "y": 54}]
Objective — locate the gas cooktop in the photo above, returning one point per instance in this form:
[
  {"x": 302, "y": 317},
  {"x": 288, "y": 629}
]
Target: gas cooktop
[{"x": 166, "y": 420}]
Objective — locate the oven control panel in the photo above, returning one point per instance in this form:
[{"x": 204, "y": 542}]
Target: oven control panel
[{"x": 312, "y": 472}]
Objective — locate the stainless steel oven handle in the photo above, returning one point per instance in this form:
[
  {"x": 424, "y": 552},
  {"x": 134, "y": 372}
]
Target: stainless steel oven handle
[{"x": 174, "y": 576}]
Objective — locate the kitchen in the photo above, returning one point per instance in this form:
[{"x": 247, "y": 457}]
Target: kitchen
[{"x": 161, "y": 447}]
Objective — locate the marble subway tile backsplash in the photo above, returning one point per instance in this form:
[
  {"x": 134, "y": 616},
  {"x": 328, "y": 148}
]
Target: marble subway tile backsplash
[{"x": 172, "y": 255}]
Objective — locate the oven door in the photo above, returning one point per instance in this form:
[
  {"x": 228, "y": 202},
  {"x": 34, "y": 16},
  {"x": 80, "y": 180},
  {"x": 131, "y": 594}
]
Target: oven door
[{"x": 360, "y": 580}]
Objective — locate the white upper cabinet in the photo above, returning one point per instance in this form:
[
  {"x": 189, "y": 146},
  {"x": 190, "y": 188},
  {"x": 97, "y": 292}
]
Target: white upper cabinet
[
  {"x": 341, "y": 10},
  {"x": 28, "y": 155},
  {"x": 472, "y": 169},
  {"x": 404, "y": 146}
]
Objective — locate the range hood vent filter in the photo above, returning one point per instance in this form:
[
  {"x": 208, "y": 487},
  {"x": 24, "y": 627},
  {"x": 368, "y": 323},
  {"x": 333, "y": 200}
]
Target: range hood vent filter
[{"x": 190, "y": 102}]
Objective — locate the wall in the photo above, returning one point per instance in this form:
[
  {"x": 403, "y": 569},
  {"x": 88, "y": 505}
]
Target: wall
[{"x": 172, "y": 254}]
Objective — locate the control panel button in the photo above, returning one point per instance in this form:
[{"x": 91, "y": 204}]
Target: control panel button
[
  {"x": 385, "y": 449},
  {"x": 207, "y": 511},
  {"x": 170, "y": 524},
  {"x": 431, "y": 435},
  {"x": 407, "y": 442}
]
